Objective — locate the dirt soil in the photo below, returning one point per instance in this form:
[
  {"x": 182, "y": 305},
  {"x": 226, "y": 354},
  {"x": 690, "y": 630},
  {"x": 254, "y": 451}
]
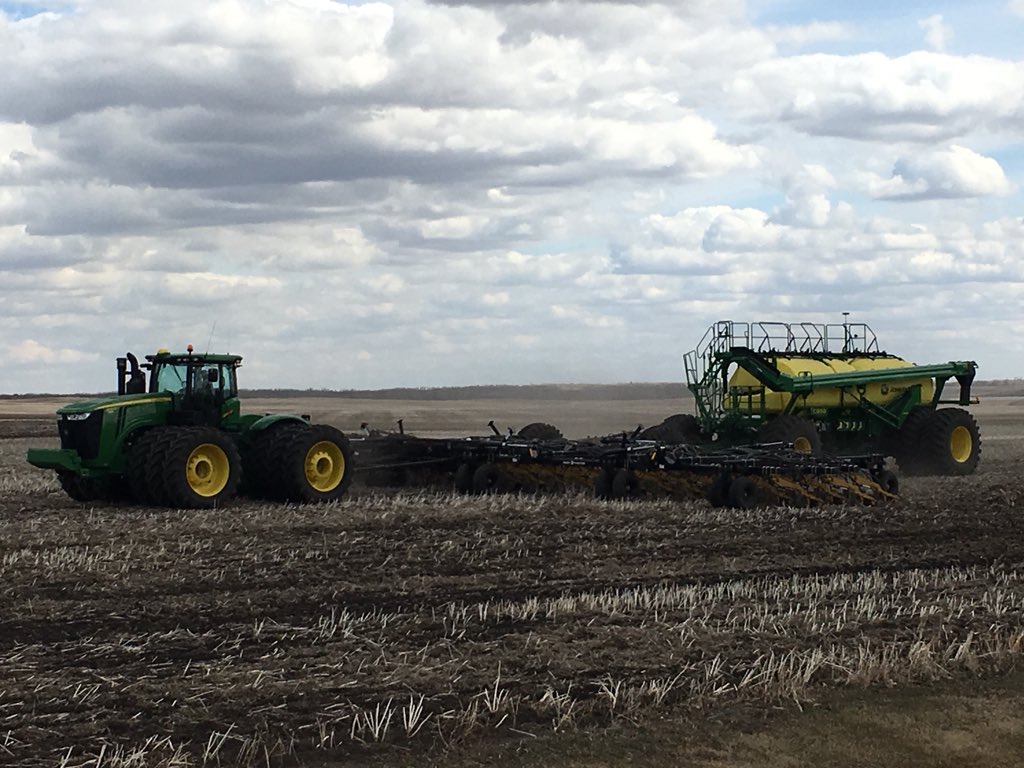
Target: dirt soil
[{"x": 409, "y": 627}]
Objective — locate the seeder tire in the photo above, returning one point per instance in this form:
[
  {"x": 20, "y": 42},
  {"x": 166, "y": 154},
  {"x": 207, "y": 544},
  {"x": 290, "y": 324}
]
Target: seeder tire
[
  {"x": 487, "y": 479},
  {"x": 625, "y": 485},
  {"x": 718, "y": 491},
  {"x": 679, "y": 429},
  {"x": 603, "y": 483},
  {"x": 743, "y": 493},
  {"x": 951, "y": 442},
  {"x": 538, "y": 430},
  {"x": 908, "y": 452},
  {"x": 794, "y": 430},
  {"x": 464, "y": 478}
]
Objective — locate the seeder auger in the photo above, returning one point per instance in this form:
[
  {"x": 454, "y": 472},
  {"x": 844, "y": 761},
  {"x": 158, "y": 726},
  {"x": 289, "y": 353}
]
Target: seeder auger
[{"x": 624, "y": 467}]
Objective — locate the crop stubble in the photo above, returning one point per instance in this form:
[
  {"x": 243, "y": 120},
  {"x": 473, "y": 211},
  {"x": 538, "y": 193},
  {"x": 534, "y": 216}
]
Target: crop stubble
[{"x": 263, "y": 632}]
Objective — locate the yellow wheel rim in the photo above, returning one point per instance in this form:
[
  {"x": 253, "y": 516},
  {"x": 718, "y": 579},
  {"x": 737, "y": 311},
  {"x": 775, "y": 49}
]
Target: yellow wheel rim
[
  {"x": 207, "y": 470},
  {"x": 961, "y": 444},
  {"x": 802, "y": 445},
  {"x": 325, "y": 466}
]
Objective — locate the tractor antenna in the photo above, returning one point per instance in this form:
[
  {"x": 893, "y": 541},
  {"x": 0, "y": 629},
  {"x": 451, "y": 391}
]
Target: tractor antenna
[{"x": 209, "y": 341}]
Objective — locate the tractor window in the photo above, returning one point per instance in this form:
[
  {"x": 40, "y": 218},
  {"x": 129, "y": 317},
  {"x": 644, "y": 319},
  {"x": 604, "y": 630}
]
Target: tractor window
[
  {"x": 228, "y": 378},
  {"x": 171, "y": 378},
  {"x": 223, "y": 385}
]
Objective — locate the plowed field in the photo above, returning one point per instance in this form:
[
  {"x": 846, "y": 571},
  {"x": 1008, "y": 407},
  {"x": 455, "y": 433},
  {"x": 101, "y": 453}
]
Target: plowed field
[{"x": 404, "y": 623}]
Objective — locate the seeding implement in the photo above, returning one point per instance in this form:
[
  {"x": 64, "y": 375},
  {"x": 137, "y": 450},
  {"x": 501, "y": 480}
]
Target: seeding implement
[
  {"x": 181, "y": 440},
  {"x": 827, "y": 387},
  {"x": 625, "y": 466}
]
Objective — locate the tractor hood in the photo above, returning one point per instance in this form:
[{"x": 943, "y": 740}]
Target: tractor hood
[{"x": 114, "y": 401}]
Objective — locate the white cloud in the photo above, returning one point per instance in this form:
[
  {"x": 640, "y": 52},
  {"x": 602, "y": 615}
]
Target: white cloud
[
  {"x": 937, "y": 33},
  {"x": 31, "y": 351},
  {"x": 921, "y": 96},
  {"x": 947, "y": 173},
  {"x": 492, "y": 191}
]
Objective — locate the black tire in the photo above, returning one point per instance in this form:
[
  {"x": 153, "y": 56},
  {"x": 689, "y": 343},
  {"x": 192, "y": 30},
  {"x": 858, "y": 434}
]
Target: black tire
[
  {"x": 908, "y": 452},
  {"x": 888, "y": 481},
  {"x": 951, "y": 442},
  {"x": 538, "y": 430},
  {"x": 145, "y": 475},
  {"x": 487, "y": 479},
  {"x": 793, "y": 430},
  {"x": 718, "y": 491},
  {"x": 308, "y": 463},
  {"x": 743, "y": 493},
  {"x": 464, "y": 478},
  {"x": 84, "y": 489},
  {"x": 603, "y": 483},
  {"x": 625, "y": 484},
  {"x": 679, "y": 429},
  {"x": 193, "y": 467},
  {"x": 261, "y": 459}
]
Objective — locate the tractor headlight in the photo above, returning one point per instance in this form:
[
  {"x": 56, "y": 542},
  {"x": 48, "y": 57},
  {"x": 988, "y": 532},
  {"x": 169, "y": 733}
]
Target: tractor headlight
[{"x": 77, "y": 416}]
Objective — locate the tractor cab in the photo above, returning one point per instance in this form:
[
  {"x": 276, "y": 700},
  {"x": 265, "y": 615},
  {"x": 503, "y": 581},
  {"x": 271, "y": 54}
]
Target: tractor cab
[{"x": 203, "y": 387}]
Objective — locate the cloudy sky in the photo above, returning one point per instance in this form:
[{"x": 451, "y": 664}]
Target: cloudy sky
[{"x": 416, "y": 193}]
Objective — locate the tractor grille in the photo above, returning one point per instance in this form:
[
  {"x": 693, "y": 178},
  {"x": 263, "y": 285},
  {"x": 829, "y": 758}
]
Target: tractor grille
[{"x": 81, "y": 435}]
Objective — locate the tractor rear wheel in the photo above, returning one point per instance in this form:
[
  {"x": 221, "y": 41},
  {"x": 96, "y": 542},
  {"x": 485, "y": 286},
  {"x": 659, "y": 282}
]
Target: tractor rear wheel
[
  {"x": 793, "y": 430},
  {"x": 310, "y": 463},
  {"x": 185, "y": 467},
  {"x": 259, "y": 460},
  {"x": 538, "y": 430},
  {"x": 951, "y": 442}
]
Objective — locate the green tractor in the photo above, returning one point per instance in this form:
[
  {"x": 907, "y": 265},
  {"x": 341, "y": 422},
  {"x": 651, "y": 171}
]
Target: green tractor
[
  {"x": 180, "y": 440},
  {"x": 828, "y": 388}
]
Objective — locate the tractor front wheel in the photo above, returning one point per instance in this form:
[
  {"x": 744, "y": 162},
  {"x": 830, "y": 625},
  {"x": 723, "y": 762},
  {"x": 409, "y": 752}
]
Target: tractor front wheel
[
  {"x": 201, "y": 467},
  {"x": 184, "y": 467},
  {"x": 84, "y": 489}
]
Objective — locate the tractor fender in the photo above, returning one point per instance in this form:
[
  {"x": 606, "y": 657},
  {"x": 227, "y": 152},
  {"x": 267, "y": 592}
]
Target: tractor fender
[{"x": 271, "y": 419}]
